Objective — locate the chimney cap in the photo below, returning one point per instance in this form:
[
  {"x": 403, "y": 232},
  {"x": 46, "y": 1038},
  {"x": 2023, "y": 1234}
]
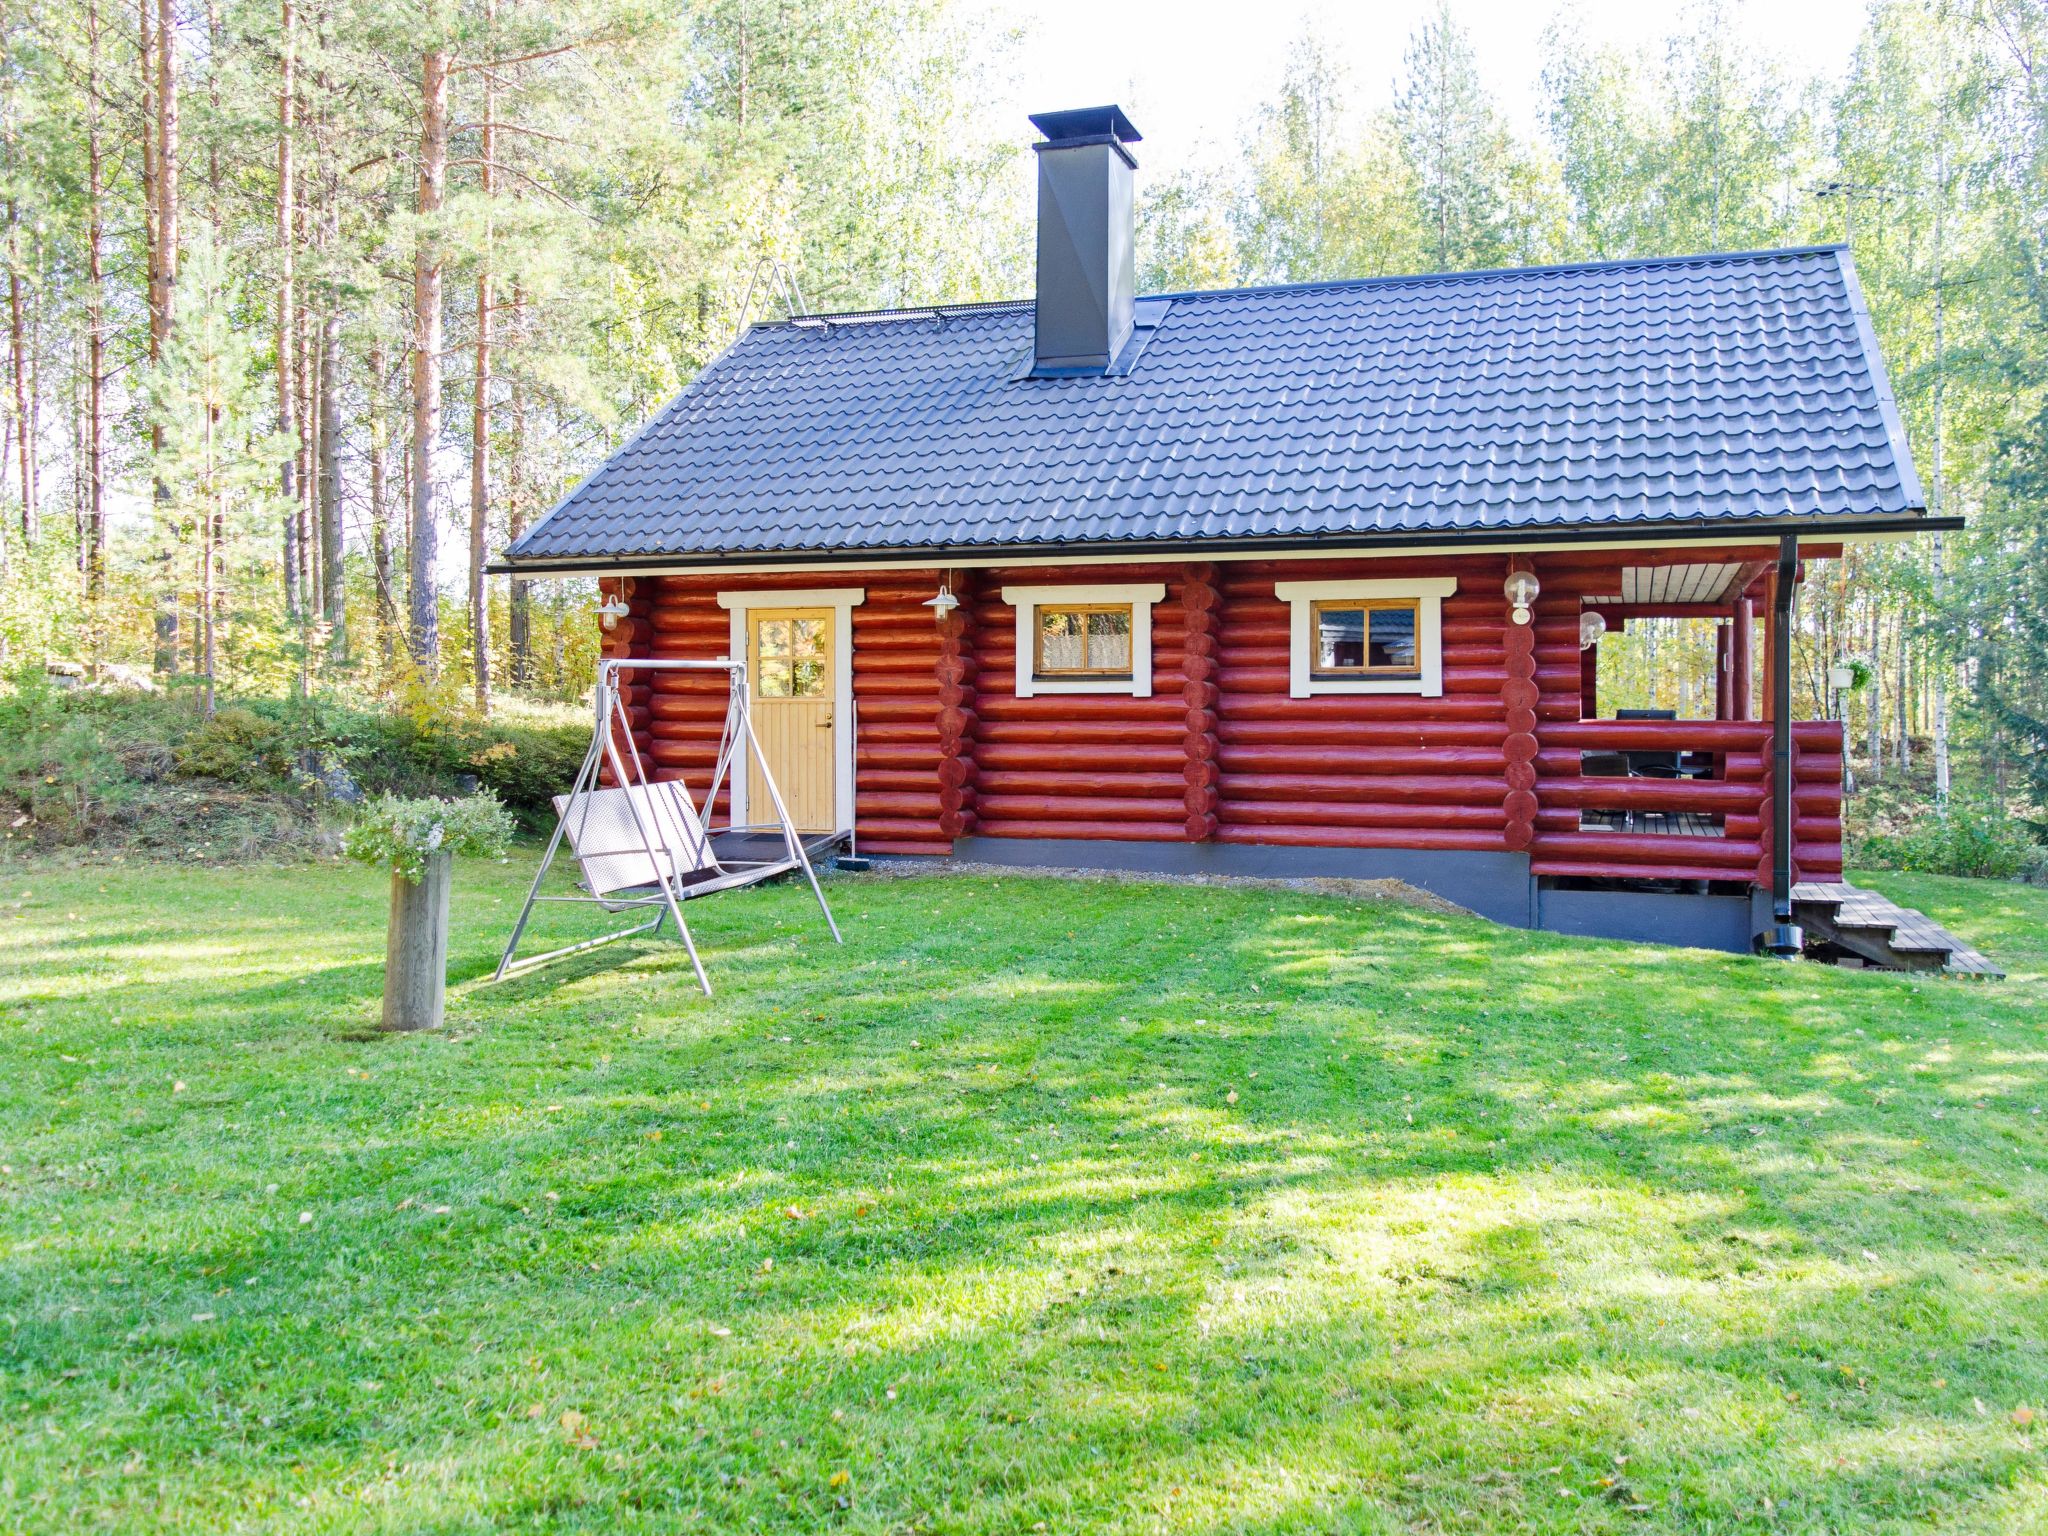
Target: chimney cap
[{"x": 1085, "y": 124}]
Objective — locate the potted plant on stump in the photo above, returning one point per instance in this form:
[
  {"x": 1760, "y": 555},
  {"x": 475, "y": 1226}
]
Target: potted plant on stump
[{"x": 418, "y": 840}]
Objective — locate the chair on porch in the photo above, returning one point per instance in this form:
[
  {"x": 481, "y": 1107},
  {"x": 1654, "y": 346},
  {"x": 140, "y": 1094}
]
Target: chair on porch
[{"x": 1657, "y": 763}]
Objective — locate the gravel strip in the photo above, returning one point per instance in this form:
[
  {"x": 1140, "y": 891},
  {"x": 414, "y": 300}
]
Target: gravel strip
[{"x": 899, "y": 867}]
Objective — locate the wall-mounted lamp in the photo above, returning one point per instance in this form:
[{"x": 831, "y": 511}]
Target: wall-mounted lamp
[
  {"x": 1521, "y": 588},
  {"x": 613, "y": 609},
  {"x": 1592, "y": 625},
  {"x": 943, "y": 604}
]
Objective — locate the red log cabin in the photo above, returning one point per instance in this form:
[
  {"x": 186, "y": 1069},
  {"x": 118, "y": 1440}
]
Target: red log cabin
[{"x": 1296, "y": 580}]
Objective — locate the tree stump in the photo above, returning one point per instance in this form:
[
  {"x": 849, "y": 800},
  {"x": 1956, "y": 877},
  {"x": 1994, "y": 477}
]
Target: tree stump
[{"x": 416, "y": 947}]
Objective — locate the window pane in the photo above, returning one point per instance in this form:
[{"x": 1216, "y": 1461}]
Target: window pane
[
  {"x": 1109, "y": 641},
  {"x": 807, "y": 678},
  {"x": 807, "y": 637},
  {"x": 1393, "y": 639},
  {"x": 1061, "y": 646},
  {"x": 774, "y": 637},
  {"x": 1340, "y": 639},
  {"x": 775, "y": 676}
]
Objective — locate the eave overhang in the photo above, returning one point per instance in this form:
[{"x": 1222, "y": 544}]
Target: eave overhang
[{"x": 1621, "y": 536}]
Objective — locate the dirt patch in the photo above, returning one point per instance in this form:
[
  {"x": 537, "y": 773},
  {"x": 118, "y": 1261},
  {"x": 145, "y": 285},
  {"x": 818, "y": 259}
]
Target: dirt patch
[{"x": 1315, "y": 885}]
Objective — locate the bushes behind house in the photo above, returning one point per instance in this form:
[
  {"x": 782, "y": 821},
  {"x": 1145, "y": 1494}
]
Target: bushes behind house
[
  {"x": 145, "y": 771},
  {"x": 1981, "y": 839}
]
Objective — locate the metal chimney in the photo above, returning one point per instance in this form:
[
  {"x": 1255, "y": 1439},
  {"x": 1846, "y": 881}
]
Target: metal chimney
[{"x": 1086, "y": 275}]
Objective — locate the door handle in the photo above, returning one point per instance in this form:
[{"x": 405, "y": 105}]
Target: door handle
[{"x": 825, "y": 724}]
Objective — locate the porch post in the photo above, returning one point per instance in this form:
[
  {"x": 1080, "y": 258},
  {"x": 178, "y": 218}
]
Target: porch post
[
  {"x": 1723, "y": 652},
  {"x": 1741, "y": 680},
  {"x": 1786, "y": 940}
]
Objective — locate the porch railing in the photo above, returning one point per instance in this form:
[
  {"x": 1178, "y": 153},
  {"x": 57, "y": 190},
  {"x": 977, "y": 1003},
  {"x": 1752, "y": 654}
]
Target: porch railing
[{"x": 1715, "y": 827}]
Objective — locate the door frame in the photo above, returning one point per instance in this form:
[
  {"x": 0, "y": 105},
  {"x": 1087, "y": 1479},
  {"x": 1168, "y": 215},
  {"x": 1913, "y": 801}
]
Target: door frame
[{"x": 841, "y": 601}]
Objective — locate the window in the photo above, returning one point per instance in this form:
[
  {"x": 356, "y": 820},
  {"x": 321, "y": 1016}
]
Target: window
[
  {"x": 1365, "y": 639},
  {"x": 793, "y": 657},
  {"x": 1092, "y": 640},
  {"x": 1365, "y": 636}
]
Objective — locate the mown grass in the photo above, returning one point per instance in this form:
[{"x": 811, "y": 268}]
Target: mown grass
[{"x": 1070, "y": 1207}]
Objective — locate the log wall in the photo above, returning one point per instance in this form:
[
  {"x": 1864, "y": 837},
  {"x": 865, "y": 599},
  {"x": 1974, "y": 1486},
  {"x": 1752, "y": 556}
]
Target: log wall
[
  {"x": 946, "y": 749},
  {"x": 1363, "y": 770},
  {"x": 1080, "y": 765}
]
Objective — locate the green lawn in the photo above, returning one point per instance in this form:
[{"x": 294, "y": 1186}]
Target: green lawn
[{"x": 1063, "y": 1207}]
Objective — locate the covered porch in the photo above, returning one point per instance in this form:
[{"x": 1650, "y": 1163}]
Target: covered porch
[{"x": 1642, "y": 795}]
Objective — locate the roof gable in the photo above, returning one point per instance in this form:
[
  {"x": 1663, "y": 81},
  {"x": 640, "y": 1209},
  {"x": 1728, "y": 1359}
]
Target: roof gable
[{"x": 1677, "y": 392}]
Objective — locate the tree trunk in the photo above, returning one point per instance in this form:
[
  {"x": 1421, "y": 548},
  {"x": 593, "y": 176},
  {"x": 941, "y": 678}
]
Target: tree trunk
[
  {"x": 333, "y": 593},
  {"x": 1904, "y": 694},
  {"x": 380, "y": 504},
  {"x": 94, "y": 552},
  {"x": 306, "y": 405},
  {"x": 287, "y": 478},
  {"x": 416, "y": 947},
  {"x": 35, "y": 391},
  {"x": 480, "y": 410},
  {"x": 161, "y": 41},
  {"x": 518, "y": 606},
  {"x": 17, "y": 336},
  {"x": 424, "y": 631},
  {"x": 308, "y": 382},
  {"x": 480, "y": 491},
  {"x": 210, "y": 522},
  {"x": 1937, "y": 588}
]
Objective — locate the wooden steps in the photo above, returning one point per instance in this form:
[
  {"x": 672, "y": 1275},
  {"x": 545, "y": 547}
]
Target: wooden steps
[{"x": 1863, "y": 925}]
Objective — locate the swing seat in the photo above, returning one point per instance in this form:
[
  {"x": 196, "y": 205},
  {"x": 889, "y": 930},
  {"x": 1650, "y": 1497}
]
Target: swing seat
[{"x": 614, "y": 853}]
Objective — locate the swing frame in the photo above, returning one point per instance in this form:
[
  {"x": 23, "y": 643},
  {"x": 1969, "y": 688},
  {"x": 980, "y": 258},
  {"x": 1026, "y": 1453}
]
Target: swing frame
[{"x": 670, "y": 887}]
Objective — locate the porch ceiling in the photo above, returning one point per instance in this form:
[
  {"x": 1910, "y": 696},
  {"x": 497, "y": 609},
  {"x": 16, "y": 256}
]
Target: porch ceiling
[{"x": 1669, "y": 584}]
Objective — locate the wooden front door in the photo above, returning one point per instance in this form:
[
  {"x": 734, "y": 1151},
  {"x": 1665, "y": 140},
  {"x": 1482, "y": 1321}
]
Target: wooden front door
[{"x": 789, "y": 670}]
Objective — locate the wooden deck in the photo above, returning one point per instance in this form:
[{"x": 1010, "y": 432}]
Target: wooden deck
[{"x": 1652, "y": 823}]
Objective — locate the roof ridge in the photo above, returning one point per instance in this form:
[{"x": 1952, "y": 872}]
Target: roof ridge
[
  {"x": 1309, "y": 285},
  {"x": 1612, "y": 263}
]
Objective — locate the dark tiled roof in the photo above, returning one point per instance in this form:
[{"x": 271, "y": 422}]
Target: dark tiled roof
[{"x": 1711, "y": 389}]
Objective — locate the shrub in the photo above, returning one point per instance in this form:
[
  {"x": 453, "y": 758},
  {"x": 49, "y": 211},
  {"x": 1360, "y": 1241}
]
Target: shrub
[
  {"x": 238, "y": 746},
  {"x": 87, "y": 765},
  {"x": 67, "y": 758},
  {"x": 400, "y": 834},
  {"x": 525, "y": 766},
  {"x": 1981, "y": 841}
]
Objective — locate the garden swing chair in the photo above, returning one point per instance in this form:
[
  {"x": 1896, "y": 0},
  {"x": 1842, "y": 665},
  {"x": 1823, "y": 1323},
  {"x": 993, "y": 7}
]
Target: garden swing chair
[{"x": 642, "y": 844}]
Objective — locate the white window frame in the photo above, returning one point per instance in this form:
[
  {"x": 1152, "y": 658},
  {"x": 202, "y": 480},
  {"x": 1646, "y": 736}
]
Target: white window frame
[
  {"x": 1426, "y": 592},
  {"x": 842, "y": 601},
  {"x": 1028, "y": 600}
]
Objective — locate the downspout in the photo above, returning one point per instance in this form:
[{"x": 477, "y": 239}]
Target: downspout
[{"x": 1786, "y": 941}]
